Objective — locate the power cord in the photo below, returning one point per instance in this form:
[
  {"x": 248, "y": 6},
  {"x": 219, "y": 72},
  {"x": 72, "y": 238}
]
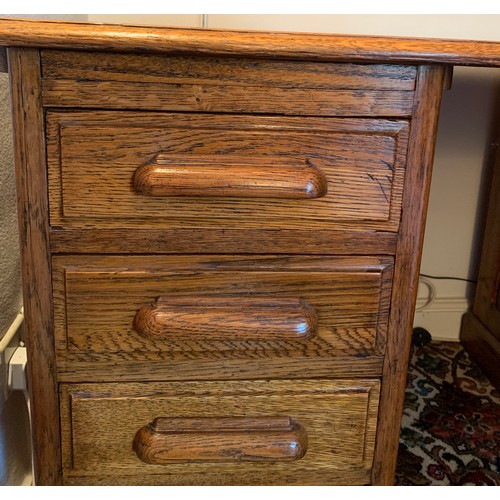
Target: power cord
[
  {"x": 420, "y": 336},
  {"x": 425, "y": 280},
  {"x": 447, "y": 278},
  {"x": 431, "y": 292}
]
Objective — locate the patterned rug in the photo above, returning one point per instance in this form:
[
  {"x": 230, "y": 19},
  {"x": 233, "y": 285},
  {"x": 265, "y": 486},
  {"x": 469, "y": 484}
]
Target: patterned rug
[{"x": 450, "y": 431}]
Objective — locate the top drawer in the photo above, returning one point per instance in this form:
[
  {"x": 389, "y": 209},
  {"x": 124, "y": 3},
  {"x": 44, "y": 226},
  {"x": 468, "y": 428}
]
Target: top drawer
[
  {"x": 144, "y": 170},
  {"x": 226, "y": 85}
]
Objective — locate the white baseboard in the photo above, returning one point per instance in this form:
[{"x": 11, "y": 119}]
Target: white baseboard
[{"x": 442, "y": 317}]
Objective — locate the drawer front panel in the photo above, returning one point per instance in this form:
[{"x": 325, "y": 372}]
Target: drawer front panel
[
  {"x": 230, "y": 85},
  {"x": 161, "y": 170},
  {"x": 261, "y": 432},
  {"x": 221, "y": 307}
]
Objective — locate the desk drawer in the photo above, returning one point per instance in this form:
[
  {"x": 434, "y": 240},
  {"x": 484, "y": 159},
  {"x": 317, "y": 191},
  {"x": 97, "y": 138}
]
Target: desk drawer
[
  {"x": 225, "y": 85},
  {"x": 220, "y": 307},
  {"x": 160, "y": 170},
  {"x": 259, "y": 432}
]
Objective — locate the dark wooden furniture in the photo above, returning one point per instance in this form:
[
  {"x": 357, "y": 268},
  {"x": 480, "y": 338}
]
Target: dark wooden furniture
[
  {"x": 221, "y": 236},
  {"x": 480, "y": 332}
]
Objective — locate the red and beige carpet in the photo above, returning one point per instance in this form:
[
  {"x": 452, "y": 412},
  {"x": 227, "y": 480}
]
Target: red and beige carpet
[{"x": 450, "y": 431}]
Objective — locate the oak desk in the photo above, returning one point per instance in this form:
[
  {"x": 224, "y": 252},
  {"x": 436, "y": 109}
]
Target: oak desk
[{"x": 221, "y": 236}]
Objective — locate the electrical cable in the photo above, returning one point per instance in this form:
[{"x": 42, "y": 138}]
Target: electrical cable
[
  {"x": 447, "y": 278},
  {"x": 432, "y": 292},
  {"x": 424, "y": 279}
]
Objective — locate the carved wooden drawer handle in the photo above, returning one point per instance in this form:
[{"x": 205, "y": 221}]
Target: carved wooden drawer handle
[
  {"x": 224, "y": 176},
  {"x": 228, "y": 318},
  {"x": 220, "y": 439}
]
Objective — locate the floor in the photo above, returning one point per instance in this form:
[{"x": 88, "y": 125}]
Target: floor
[{"x": 450, "y": 431}]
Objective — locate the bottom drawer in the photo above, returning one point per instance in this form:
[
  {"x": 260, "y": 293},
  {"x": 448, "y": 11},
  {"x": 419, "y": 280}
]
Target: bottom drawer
[{"x": 309, "y": 432}]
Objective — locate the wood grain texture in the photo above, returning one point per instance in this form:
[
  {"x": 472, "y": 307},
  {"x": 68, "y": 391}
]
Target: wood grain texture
[
  {"x": 408, "y": 254},
  {"x": 211, "y": 99},
  {"x": 333, "y": 103},
  {"x": 31, "y": 183},
  {"x": 229, "y": 177},
  {"x": 81, "y": 367},
  {"x": 233, "y": 72},
  {"x": 220, "y": 439},
  {"x": 339, "y": 416},
  {"x": 480, "y": 331},
  {"x": 255, "y": 44},
  {"x": 350, "y": 297},
  {"x": 92, "y": 158},
  {"x": 260, "y": 478},
  {"x": 235, "y": 85},
  {"x": 482, "y": 345},
  {"x": 4, "y": 66},
  {"x": 223, "y": 241},
  {"x": 448, "y": 78},
  {"x": 215, "y": 98},
  {"x": 226, "y": 317}
]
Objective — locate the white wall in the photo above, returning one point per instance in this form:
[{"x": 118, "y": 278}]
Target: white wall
[
  {"x": 184, "y": 20},
  {"x": 10, "y": 272}
]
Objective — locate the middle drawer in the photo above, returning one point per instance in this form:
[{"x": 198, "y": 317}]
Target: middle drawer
[{"x": 175, "y": 308}]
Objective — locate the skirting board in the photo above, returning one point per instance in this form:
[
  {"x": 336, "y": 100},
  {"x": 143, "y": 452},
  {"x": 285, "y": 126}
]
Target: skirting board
[{"x": 442, "y": 317}]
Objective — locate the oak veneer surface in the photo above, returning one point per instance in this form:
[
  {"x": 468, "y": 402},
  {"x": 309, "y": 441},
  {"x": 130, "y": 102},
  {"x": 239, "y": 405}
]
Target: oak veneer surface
[
  {"x": 223, "y": 241},
  {"x": 232, "y": 72},
  {"x": 168, "y": 440},
  {"x": 93, "y": 158},
  {"x": 280, "y": 45},
  {"x": 226, "y": 317},
  {"x": 78, "y": 367},
  {"x": 225, "y": 85},
  {"x": 407, "y": 265},
  {"x": 97, "y": 300},
  {"x": 31, "y": 183},
  {"x": 177, "y": 97},
  {"x": 229, "y": 177},
  {"x": 124, "y": 257},
  {"x": 101, "y": 420}
]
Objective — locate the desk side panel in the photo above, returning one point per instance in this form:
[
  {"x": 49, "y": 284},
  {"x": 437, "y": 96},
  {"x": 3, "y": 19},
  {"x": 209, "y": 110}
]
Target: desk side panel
[
  {"x": 430, "y": 81},
  {"x": 31, "y": 181}
]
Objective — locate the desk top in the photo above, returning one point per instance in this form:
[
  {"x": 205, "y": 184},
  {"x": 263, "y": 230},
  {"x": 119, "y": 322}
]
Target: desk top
[{"x": 257, "y": 44}]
